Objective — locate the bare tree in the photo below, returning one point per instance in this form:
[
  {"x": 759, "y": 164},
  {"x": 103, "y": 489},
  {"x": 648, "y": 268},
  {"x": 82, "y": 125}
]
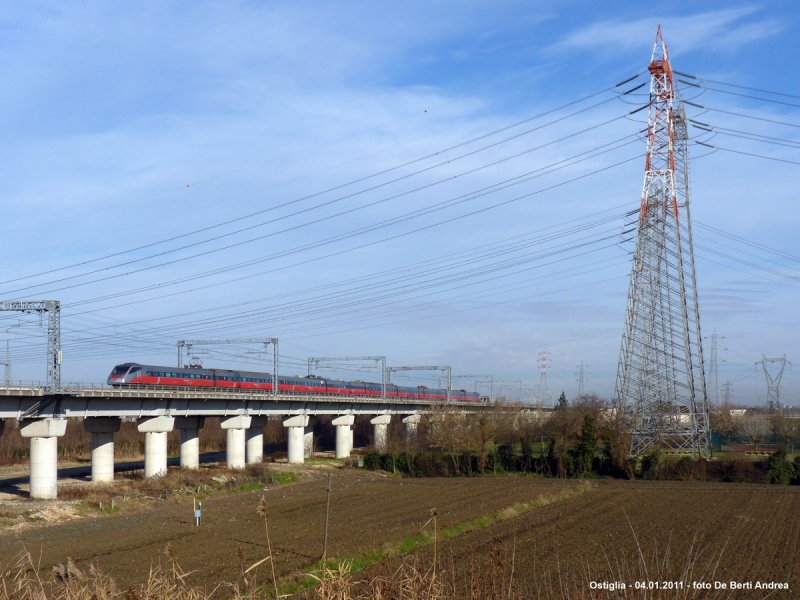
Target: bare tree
[
  {"x": 615, "y": 431},
  {"x": 755, "y": 428},
  {"x": 485, "y": 427},
  {"x": 448, "y": 431},
  {"x": 723, "y": 421},
  {"x": 785, "y": 430},
  {"x": 395, "y": 445}
]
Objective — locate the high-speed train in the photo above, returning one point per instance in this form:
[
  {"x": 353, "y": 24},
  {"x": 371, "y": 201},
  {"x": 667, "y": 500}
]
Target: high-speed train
[{"x": 135, "y": 374}]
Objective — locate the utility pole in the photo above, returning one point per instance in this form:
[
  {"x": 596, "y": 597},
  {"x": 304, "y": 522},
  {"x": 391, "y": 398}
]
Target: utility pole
[
  {"x": 314, "y": 363},
  {"x": 580, "y": 367},
  {"x": 266, "y": 341},
  {"x": 660, "y": 377},
  {"x": 773, "y": 381},
  {"x": 54, "y": 355}
]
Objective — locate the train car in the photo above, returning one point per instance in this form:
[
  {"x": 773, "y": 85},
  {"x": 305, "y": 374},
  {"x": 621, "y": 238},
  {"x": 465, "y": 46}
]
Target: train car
[{"x": 135, "y": 374}]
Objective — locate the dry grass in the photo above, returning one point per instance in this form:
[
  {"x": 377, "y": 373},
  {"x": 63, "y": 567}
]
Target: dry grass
[
  {"x": 176, "y": 484},
  {"x": 485, "y": 578}
]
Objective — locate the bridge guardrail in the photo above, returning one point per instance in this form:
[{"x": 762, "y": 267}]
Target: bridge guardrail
[{"x": 103, "y": 390}]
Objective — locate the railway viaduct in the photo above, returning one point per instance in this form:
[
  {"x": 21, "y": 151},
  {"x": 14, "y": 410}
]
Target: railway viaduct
[{"x": 43, "y": 415}]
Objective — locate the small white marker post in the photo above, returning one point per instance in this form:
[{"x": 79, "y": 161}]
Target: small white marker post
[{"x": 198, "y": 507}]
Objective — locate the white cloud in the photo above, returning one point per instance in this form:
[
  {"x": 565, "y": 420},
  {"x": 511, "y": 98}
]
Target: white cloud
[{"x": 718, "y": 31}]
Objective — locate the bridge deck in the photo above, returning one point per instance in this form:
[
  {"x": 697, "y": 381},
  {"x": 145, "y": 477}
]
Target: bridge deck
[{"x": 145, "y": 401}]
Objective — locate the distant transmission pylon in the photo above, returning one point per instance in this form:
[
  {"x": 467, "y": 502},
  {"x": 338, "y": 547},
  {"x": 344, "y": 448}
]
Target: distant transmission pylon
[
  {"x": 714, "y": 369},
  {"x": 580, "y": 367},
  {"x": 660, "y": 377},
  {"x": 728, "y": 388},
  {"x": 544, "y": 394},
  {"x": 773, "y": 381}
]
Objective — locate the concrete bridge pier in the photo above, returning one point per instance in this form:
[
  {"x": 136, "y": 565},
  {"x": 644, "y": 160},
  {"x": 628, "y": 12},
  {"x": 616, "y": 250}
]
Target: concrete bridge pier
[
  {"x": 344, "y": 435},
  {"x": 254, "y": 440},
  {"x": 235, "y": 445},
  {"x": 410, "y": 427},
  {"x": 102, "y": 430},
  {"x": 155, "y": 431},
  {"x": 308, "y": 438},
  {"x": 380, "y": 431},
  {"x": 44, "y": 434},
  {"x": 295, "y": 430},
  {"x": 189, "y": 428}
]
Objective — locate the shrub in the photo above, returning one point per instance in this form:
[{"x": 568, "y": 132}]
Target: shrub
[
  {"x": 650, "y": 464},
  {"x": 372, "y": 461},
  {"x": 684, "y": 468},
  {"x": 581, "y": 455},
  {"x": 779, "y": 469},
  {"x": 432, "y": 464}
]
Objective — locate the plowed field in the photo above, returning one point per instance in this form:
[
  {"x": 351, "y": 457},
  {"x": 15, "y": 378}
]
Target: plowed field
[
  {"x": 366, "y": 511},
  {"x": 751, "y": 531},
  {"x": 735, "y": 532}
]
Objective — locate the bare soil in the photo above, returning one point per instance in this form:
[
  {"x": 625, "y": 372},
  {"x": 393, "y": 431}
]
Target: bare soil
[
  {"x": 747, "y": 533},
  {"x": 741, "y": 532},
  {"x": 367, "y": 510}
]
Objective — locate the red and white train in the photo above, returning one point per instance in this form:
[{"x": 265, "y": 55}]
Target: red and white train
[{"x": 135, "y": 374}]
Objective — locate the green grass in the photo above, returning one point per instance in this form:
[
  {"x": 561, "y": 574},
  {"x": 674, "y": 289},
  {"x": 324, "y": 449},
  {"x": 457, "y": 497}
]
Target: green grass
[
  {"x": 7, "y": 522},
  {"x": 248, "y": 487},
  {"x": 322, "y": 461},
  {"x": 318, "y": 571},
  {"x": 284, "y": 478},
  {"x": 106, "y": 510}
]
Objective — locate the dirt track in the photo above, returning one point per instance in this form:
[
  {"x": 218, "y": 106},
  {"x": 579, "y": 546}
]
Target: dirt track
[{"x": 366, "y": 511}]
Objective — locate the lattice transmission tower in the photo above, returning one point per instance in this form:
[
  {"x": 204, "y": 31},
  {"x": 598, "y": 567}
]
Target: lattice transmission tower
[
  {"x": 581, "y": 367},
  {"x": 774, "y": 379},
  {"x": 660, "y": 377},
  {"x": 544, "y": 393},
  {"x": 714, "y": 369}
]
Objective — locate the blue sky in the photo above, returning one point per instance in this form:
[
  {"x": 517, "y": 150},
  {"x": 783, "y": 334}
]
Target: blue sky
[{"x": 137, "y": 140}]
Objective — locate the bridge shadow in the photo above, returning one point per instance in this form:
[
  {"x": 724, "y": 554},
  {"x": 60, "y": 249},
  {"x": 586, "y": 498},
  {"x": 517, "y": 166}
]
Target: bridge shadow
[{"x": 13, "y": 485}]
